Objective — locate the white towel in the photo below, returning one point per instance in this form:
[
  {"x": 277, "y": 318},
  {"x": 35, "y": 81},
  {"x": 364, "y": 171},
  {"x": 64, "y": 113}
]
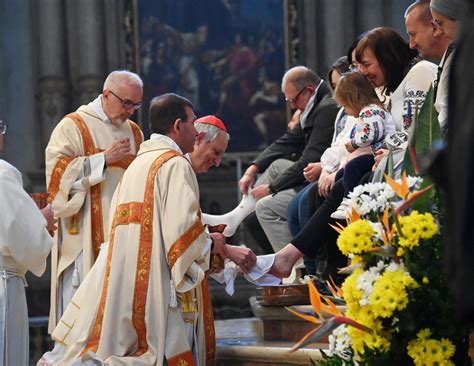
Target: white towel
[{"x": 258, "y": 275}]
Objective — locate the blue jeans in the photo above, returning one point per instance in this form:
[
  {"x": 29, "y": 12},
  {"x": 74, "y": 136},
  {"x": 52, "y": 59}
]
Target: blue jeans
[
  {"x": 297, "y": 219},
  {"x": 298, "y": 211}
]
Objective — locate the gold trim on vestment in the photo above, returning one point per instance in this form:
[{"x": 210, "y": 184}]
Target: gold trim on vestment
[
  {"x": 183, "y": 243},
  {"x": 97, "y": 224},
  {"x": 183, "y": 359},
  {"x": 144, "y": 254},
  {"x": 56, "y": 176},
  {"x": 209, "y": 331},
  {"x": 67, "y": 333},
  {"x": 137, "y": 135},
  {"x": 143, "y": 261},
  {"x": 128, "y": 213}
]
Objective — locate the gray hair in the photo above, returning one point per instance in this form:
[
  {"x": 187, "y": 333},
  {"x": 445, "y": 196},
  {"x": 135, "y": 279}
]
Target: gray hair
[
  {"x": 300, "y": 76},
  {"x": 122, "y": 76},
  {"x": 211, "y": 131}
]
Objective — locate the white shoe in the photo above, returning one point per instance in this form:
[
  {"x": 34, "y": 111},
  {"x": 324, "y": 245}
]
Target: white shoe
[{"x": 341, "y": 212}]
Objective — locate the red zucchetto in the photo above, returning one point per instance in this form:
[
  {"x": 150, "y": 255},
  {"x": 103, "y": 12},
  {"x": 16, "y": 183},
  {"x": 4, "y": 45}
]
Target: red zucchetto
[{"x": 212, "y": 120}]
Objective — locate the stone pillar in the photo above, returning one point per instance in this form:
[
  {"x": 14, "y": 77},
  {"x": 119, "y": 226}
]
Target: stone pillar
[
  {"x": 17, "y": 86},
  {"x": 87, "y": 48},
  {"x": 54, "y": 89}
]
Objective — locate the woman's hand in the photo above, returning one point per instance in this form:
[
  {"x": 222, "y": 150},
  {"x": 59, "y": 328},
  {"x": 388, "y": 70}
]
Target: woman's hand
[
  {"x": 379, "y": 155},
  {"x": 325, "y": 183}
]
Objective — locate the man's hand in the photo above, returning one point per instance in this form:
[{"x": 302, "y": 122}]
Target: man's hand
[
  {"x": 379, "y": 155},
  {"x": 219, "y": 243},
  {"x": 260, "y": 191},
  {"x": 48, "y": 214},
  {"x": 312, "y": 172},
  {"x": 117, "y": 150},
  {"x": 295, "y": 118},
  {"x": 325, "y": 183},
  {"x": 245, "y": 258},
  {"x": 248, "y": 179}
]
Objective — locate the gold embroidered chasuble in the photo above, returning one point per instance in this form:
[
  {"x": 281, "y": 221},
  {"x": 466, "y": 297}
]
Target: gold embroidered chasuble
[
  {"x": 157, "y": 245},
  {"x": 82, "y": 209}
]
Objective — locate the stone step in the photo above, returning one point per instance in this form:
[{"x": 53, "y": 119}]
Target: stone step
[
  {"x": 240, "y": 343},
  {"x": 281, "y": 325},
  {"x": 263, "y": 355}
]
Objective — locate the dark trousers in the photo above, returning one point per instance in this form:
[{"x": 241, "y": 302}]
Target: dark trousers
[
  {"x": 354, "y": 170},
  {"x": 317, "y": 235}
]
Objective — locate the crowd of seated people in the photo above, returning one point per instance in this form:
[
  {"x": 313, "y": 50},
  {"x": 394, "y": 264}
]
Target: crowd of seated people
[
  {"x": 401, "y": 78},
  {"x": 385, "y": 81}
]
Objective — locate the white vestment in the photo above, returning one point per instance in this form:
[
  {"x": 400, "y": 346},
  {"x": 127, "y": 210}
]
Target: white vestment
[
  {"x": 24, "y": 246},
  {"x": 81, "y": 189},
  {"x": 134, "y": 306}
]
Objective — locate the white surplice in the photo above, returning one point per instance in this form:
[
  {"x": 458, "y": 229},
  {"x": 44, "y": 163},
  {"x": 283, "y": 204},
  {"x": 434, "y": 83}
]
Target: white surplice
[{"x": 24, "y": 246}]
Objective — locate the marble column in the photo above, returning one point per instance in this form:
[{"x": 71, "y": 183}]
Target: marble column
[{"x": 53, "y": 85}]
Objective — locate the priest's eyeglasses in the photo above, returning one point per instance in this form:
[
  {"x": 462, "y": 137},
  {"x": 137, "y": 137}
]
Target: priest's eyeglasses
[
  {"x": 127, "y": 104},
  {"x": 3, "y": 128},
  {"x": 295, "y": 99}
]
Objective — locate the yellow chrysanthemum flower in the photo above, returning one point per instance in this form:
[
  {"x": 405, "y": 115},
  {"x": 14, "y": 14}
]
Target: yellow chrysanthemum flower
[
  {"x": 428, "y": 226},
  {"x": 424, "y": 334},
  {"x": 352, "y": 294},
  {"x": 414, "y": 227},
  {"x": 377, "y": 339},
  {"x": 390, "y": 293},
  {"x": 447, "y": 347},
  {"x": 426, "y": 351},
  {"x": 356, "y": 238}
]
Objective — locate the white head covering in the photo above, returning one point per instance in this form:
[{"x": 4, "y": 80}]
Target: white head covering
[{"x": 452, "y": 9}]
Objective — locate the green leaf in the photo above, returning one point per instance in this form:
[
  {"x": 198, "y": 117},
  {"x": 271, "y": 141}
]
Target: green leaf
[
  {"x": 426, "y": 131},
  {"x": 389, "y": 167}
]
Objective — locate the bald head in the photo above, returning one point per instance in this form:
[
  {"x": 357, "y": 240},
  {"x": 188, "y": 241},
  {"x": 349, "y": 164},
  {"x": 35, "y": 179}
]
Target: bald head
[
  {"x": 299, "y": 85},
  {"x": 300, "y": 76}
]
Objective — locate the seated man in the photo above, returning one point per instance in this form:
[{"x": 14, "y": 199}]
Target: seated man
[{"x": 282, "y": 178}]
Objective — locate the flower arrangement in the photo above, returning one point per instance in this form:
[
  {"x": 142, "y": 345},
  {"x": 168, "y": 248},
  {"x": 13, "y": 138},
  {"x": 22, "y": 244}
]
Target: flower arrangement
[
  {"x": 397, "y": 304},
  {"x": 398, "y": 307}
]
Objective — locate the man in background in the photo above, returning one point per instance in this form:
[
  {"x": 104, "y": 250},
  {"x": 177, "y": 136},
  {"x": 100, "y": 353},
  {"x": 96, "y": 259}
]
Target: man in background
[{"x": 282, "y": 178}]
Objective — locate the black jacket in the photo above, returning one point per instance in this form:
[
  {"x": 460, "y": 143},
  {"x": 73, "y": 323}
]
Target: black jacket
[{"x": 308, "y": 143}]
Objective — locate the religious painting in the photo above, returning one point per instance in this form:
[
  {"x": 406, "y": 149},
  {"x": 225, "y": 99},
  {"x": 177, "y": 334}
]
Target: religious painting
[{"x": 226, "y": 56}]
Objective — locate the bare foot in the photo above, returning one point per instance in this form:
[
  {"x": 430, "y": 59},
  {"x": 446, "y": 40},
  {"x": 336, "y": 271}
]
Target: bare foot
[{"x": 285, "y": 260}]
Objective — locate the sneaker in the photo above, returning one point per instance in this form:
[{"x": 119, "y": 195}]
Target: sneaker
[{"x": 341, "y": 212}]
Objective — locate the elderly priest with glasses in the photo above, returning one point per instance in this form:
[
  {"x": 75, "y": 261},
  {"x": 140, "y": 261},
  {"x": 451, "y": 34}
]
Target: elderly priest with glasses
[{"x": 87, "y": 154}]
